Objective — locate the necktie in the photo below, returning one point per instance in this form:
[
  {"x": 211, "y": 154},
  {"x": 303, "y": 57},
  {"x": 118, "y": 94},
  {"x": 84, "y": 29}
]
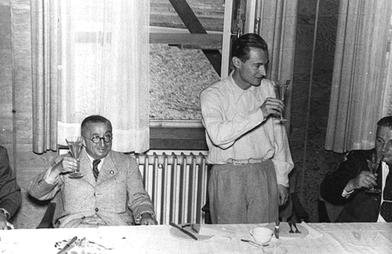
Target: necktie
[
  {"x": 95, "y": 168},
  {"x": 386, "y": 206}
]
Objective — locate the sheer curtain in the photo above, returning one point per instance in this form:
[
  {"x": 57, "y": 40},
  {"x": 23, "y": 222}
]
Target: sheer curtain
[
  {"x": 44, "y": 62},
  {"x": 359, "y": 83},
  {"x": 105, "y": 69}
]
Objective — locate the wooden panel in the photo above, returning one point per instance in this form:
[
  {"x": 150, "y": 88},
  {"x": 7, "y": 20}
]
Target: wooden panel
[
  {"x": 199, "y": 41},
  {"x": 177, "y": 139}
]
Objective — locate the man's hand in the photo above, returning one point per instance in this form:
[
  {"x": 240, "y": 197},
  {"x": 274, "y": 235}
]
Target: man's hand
[
  {"x": 272, "y": 106},
  {"x": 147, "y": 219},
  {"x": 283, "y": 193},
  {"x": 364, "y": 180},
  {"x": 4, "y": 224}
]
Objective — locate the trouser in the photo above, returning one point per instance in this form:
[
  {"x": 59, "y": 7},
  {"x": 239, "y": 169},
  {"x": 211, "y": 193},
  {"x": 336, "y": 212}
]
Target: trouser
[{"x": 246, "y": 193}]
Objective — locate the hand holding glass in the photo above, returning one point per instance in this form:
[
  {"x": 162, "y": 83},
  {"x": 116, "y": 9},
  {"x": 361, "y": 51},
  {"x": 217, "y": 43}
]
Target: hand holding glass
[
  {"x": 281, "y": 89},
  {"x": 75, "y": 145},
  {"x": 373, "y": 166}
]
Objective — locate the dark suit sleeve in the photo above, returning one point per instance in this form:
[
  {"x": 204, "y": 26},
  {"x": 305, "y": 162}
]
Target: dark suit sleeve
[
  {"x": 10, "y": 197},
  {"x": 332, "y": 186}
]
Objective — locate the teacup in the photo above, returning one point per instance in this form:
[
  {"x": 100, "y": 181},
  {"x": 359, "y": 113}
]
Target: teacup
[{"x": 261, "y": 235}]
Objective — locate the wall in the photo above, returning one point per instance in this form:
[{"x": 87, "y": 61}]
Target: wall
[
  {"x": 307, "y": 144},
  {"x": 16, "y": 102}
]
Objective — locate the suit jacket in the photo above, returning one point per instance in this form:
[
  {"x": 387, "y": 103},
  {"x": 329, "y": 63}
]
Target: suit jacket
[
  {"x": 359, "y": 206},
  {"x": 119, "y": 187},
  {"x": 10, "y": 197}
]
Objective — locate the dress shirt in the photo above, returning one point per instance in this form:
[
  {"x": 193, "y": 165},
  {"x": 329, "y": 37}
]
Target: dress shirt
[
  {"x": 237, "y": 130},
  {"x": 385, "y": 171},
  {"x": 92, "y": 159}
]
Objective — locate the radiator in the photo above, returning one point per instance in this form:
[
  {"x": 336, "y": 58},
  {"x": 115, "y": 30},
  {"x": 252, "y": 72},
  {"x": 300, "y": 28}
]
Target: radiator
[{"x": 177, "y": 184}]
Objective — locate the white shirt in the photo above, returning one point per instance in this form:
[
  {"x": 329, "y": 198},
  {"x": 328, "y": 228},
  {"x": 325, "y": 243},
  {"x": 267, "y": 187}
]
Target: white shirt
[
  {"x": 236, "y": 128},
  {"x": 385, "y": 172},
  {"x": 100, "y": 163}
]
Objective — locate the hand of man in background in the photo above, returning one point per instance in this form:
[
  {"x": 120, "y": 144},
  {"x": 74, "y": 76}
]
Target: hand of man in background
[{"x": 147, "y": 219}]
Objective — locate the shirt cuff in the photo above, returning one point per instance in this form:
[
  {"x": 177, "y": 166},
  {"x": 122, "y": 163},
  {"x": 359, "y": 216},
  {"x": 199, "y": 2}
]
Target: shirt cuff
[
  {"x": 346, "y": 194},
  {"x": 50, "y": 180}
]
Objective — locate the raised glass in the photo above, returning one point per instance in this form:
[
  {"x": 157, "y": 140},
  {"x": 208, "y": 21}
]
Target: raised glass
[
  {"x": 373, "y": 165},
  {"x": 75, "y": 145},
  {"x": 281, "y": 91}
]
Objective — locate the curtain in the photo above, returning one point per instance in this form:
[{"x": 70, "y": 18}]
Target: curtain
[
  {"x": 387, "y": 101},
  {"x": 44, "y": 62},
  {"x": 278, "y": 19},
  {"x": 358, "y": 83},
  {"x": 105, "y": 69}
]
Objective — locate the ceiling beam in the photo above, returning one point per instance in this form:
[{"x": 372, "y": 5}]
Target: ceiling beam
[{"x": 193, "y": 24}]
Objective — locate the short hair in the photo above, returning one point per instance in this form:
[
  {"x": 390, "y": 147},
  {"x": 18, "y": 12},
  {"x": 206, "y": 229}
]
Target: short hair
[
  {"x": 95, "y": 119},
  {"x": 385, "y": 122},
  {"x": 241, "y": 46}
]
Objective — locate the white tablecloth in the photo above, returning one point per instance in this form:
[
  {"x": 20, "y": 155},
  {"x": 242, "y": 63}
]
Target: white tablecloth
[{"x": 322, "y": 238}]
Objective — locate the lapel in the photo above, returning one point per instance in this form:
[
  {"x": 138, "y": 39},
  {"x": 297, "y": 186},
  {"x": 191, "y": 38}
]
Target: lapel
[{"x": 108, "y": 169}]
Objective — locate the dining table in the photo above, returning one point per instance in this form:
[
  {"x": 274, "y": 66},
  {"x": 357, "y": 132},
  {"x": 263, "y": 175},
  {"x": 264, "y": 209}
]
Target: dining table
[{"x": 207, "y": 238}]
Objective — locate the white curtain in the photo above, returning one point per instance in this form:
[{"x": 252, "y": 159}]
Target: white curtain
[
  {"x": 105, "y": 69},
  {"x": 359, "y": 83},
  {"x": 44, "y": 62}
]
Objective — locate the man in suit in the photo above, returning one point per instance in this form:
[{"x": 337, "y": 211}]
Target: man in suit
[
  {"x": 111, "y": 184},
  {"x": 350, "y": 183},
  {"x": 10, "y": 197}
]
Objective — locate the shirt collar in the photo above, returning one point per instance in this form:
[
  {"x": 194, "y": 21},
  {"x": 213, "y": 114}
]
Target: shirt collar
[{"x": 91, "y": 159}]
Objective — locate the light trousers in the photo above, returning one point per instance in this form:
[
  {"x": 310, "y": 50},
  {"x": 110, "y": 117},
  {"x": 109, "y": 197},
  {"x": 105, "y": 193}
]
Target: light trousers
[{"x": 246, "y": 193}]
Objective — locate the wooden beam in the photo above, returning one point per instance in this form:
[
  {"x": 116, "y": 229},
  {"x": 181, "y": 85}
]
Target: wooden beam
[
  {"x": 198, "y": 41},
  {"x": 194, "y": 26},
  {"x": 226, "y": 43}
]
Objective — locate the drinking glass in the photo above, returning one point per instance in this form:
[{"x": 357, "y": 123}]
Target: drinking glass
[
  {"x": 281, "y": 90},
  {"x": 373, "y": 166},
  {"x": 75, "y": 145}
]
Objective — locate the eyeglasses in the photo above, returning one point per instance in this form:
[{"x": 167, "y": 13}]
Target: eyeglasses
[{"x": 107, "y": 138}]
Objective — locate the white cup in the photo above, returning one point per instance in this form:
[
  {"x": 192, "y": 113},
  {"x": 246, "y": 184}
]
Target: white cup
[{"x": 261, "y": 235}]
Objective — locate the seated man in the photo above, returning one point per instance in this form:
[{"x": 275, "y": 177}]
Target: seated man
[
  {"x": 349, "y": 185},
  {"x": 111, "y": 184},
  {"x": 10, "y": 197}
]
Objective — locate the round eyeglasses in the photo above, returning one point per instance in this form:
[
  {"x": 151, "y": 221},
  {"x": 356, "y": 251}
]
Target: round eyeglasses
[{"x": 107, "y": 138}]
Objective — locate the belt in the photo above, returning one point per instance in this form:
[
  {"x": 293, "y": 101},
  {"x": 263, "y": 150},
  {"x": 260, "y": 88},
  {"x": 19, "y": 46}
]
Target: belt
[{"x": 245, "y": 161}]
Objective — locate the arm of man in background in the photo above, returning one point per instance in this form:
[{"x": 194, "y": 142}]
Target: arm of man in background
[
  {"x": 10, "y": 197},
  {"x": 351, "y": 175}
]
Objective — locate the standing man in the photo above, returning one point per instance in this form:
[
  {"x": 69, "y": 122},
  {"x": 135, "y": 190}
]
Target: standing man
[
  {"x": 111, "y": 186},
  {"x": 248, "y": 146},
  {"x": 10, "y": 197}
]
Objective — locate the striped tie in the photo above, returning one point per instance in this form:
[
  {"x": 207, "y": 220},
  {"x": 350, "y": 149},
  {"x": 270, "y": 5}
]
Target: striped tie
[
  {"x": 95, "y": 168},
  {"x": 386, "y": 206}
]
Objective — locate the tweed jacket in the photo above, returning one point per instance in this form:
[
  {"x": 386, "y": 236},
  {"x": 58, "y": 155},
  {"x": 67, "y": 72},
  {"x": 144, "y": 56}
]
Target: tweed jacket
[
  {"x": 10, "y": 197},
  {"x": 359, "y": 206},
  {"x": 119, "y": 187}
]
